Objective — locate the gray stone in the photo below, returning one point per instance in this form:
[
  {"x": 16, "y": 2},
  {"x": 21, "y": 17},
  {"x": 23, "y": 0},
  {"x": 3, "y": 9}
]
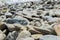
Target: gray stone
[
  {"x": 24, "y": 34},
  {"x": 28, "y": 38},
  {"x": 10, "y": 27},
  {"x": 2, "y": 35},
  {"x": 2, "y": 18},
  {"x": 8, "y": 14},
  {"x": 12, "y": 35},
  {"x": 12, "y": 21},
  {"x": 50, "y": 37}
]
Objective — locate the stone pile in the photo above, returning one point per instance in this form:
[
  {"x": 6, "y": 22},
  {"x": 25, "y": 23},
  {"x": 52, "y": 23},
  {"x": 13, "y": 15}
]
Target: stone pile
[{"x": 30, "y": 20}]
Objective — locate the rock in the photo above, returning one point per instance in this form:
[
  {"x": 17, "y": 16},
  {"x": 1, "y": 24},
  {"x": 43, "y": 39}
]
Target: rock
[
  {"x": 8, "y": 14},
  {"x": 12, "y": 35},
  {"x": 47, "y": 6},
  {"x": 28, "y": 38},
  {"x": 57, "y": 12},
  {"x": 10, "y": 2},
  {"x": 1, "y": 3},
  {"x": 4, "y": 9},
  {"x": 10, "y": 27},
  {"x": 48, "y": 19},
  {"x": 54, "y": 12},
  {"x": 32, "y": 30},
  {"x": 57, "y": 6},
  {"x": 12, "y": 21},
  {"x": 57, "y": 29},
  {"x": 29, "y": 13},
  {"x": 35, "y": 23},
  {"x": 2, "y": 18},
  {"x": 36, "y": 36},
  {"x": 45, "y": 29},
  {"x": 24, "y": 34},
  {"x": 2, "y": 26},
  {"x": 49, "y": 37},
  {"x": 20, "y": 27},
  {"x": 2, "y": 35}
]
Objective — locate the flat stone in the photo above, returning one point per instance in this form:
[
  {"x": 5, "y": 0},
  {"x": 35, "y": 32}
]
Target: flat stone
[
  {"x": 50, "y": 19},
  {"x": 32, "y": 30},
  {"x": 12, "y": 21},
  {"x": 36, "y": 36},
  {"x": 45, "y": 29},
  {"x": 50, "y": 37},
  {"x": 54, "y": 12}
]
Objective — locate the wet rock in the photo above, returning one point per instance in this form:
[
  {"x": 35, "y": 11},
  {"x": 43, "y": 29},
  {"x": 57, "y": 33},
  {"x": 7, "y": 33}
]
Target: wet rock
[{"x": 50, "y": 37}]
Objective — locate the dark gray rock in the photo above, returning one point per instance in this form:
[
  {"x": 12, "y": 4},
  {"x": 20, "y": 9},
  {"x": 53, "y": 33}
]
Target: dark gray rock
[{"x": 12, "y": 21}]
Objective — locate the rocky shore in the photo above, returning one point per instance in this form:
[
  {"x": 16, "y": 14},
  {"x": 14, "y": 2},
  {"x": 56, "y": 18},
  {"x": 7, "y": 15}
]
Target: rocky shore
[{"x": 30, "y": 20}]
